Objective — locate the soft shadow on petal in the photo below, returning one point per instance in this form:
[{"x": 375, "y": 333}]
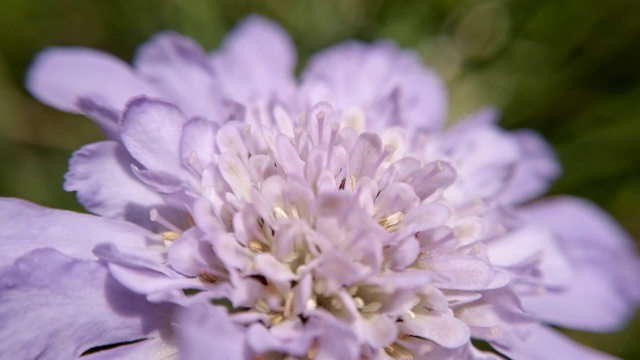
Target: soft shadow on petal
[
  {"x": 180, "y": 71},
  {"x": 544, "y": 343},
  {"x": 155, "y": 349},
  {"x": 606, "y": 288},
  {"x": 206, "y": 332},
  {"x": 27, "y": 226},
  {"x": 101, "y": 174},
  {"x": 60, "y": 76},
  {"x": 57, "y": 307},
  {"x": 151, "y": 133}
]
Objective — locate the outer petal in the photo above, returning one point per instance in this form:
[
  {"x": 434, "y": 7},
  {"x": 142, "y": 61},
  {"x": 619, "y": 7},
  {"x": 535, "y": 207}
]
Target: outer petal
[
  {"x": 180, "y": 71},
  {"x": 356, "y": 75},
  {"x": 57, "y": 307},
  {"x": 512, "y": 166},
  {"x": 543, "y": 343},
  {"x": 535, "y": 170},
  {"x": 26, "y": 226},
  {"x": 207, "y": 333},
  {"x": 60, "y": 76},
  {"x": 606, "y": 288},
  {"x": 101, "y": 174},
  {"x": 531, "y": 243},
  {"x": 256, "y": 59},
  {"x": 155, "y": 348},
  {"x": 104, "y": 116}
]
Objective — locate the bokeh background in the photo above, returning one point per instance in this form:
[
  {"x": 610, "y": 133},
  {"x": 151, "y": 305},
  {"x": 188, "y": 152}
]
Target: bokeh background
[{"x": 567, "y": 68}]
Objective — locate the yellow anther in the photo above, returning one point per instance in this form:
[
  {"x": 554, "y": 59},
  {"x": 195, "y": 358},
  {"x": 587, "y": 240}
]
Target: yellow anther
[
  {"x": 276, "y": 318},
  {"x": 207, "y": 277},
  {"x": 279, "y": 213},
  {"x": 169, "y": 235},
  {"x": 257, "y": 246},
  {"x": 390, "y": 223}
]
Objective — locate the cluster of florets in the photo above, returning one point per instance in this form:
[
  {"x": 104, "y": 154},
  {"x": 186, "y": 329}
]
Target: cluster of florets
[{"x": 330, "y": 218}]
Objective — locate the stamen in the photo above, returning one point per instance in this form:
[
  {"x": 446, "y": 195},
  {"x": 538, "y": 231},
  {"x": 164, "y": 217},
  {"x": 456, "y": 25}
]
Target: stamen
[
  {"x": 155, "y": 216},
  {"x": 279, "y": 213},
  {"x": 288, "y": 304},
  {"x": 294, "y": 212},
  {"x": 290, "y": 257},
  {"x": 169, "y": 235},
  {"x": 371, "y": 307},
  {"x": 195, "y": 163},
  {"x": 391, "y": 222},
  {"x": 207, "y": 277},
  {"x": 311, "y": 304},
  {"x": 276, "y": 319},
  {"x": 313, "y": 349},
  {"x": 262, "y": 306},
  {"x": 257, "y": 246},
  {"x": 398, "y": 352}
]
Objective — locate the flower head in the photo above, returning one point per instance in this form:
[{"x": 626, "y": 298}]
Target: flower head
[{"x": 244, "y": 214}]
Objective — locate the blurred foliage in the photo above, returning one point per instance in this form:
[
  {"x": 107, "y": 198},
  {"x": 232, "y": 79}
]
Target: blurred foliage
[{"x": 567, "y": 68}]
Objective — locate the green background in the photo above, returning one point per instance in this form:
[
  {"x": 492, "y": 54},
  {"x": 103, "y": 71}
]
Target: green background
[{"x": 567, "y": 68}]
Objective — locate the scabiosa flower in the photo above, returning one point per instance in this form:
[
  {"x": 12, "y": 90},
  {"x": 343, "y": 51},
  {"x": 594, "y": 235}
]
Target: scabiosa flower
[{"x": 245, "y": 215}]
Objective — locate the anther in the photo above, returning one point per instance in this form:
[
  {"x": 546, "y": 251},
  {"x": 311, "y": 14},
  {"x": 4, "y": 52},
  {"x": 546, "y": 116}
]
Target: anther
[
  {"x": 207, "y": 277},
  {"x": 391, "y": 222}
]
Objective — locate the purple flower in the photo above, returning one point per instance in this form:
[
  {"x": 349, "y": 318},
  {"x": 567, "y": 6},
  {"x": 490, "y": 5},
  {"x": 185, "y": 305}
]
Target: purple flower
[{"x": 243, "y": 214}]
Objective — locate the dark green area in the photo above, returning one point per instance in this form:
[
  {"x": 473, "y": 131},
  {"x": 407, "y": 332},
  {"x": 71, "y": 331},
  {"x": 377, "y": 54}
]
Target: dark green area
[{"x": 567, "y": 68}]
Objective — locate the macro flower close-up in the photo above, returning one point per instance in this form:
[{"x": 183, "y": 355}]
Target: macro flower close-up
[{"x": 239, "y": 211}]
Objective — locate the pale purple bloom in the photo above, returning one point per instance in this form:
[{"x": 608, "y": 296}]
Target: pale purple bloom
[{"x": 243, "y": 214}]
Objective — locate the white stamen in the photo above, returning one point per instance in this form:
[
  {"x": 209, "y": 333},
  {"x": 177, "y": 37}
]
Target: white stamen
[
  {"x": 311, "y": 304},
  {"x": 279, "y": 213},
  {"x": 391, "y": 222},
  {"x": 372, "y": 307}
]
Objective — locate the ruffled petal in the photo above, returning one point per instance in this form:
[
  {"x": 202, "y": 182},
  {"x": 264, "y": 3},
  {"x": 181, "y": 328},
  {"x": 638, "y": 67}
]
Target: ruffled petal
[
  {"x": 534, "y": 171},
  {"x": 605, "y": 288},
  {"x": 257, "y": 59},
  {"x": 180, "y": 71},
  {"x": 406, "y": 92},
  {"x": 150, "y": 131},
  {"x": 26, "y": 227},
  {"x": 533, "y": 244},
  {"x": 57, "y": 307},
  {"x": 101, "y": 174},
  {"x": 59, "y": 77}
]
